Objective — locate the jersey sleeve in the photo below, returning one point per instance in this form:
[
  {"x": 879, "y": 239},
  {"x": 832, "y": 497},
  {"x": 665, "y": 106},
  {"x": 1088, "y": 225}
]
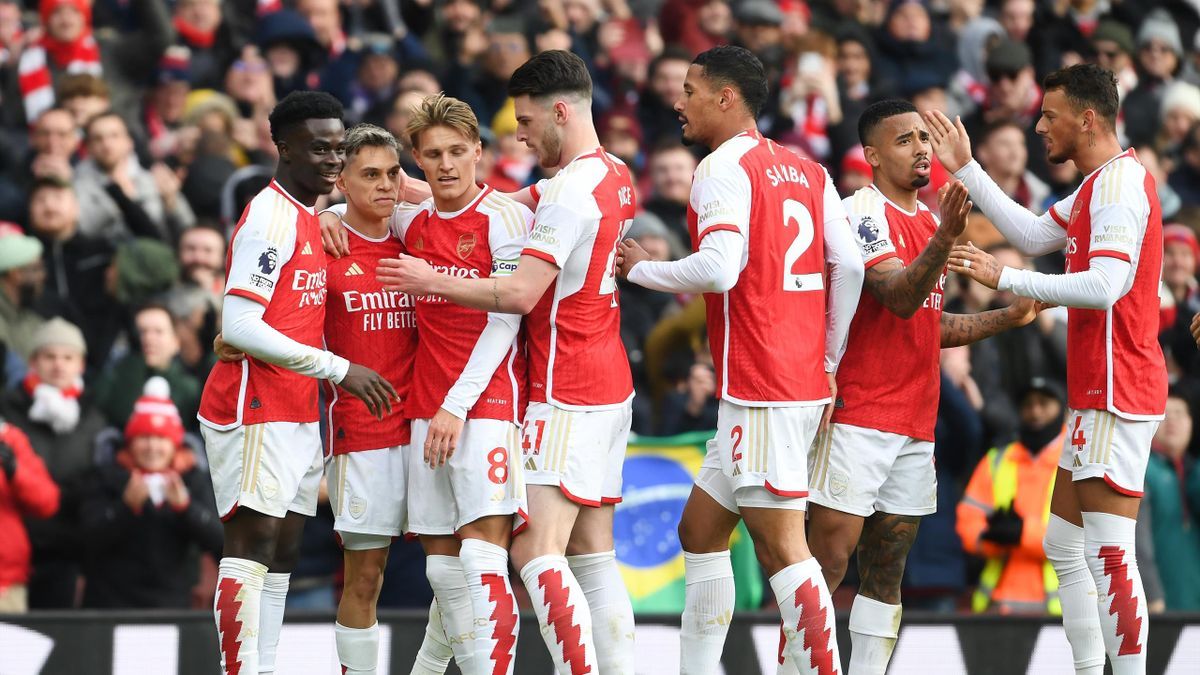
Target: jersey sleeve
[
  {"x": 508, "y": 232},
  {"x": 559, "y": 223},
  {"x": 1120, "y": 210},
  {"x": 262, "y": 246},
  {"x": 721, "y": 197},
  {"x": 868, "y": 222},
  {"x": 403, "y": 216}
]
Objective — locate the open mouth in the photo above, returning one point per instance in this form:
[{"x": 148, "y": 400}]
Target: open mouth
[
  {"x": 922, "y": 167},
  {"x": 447, "y": 180},
  {"x": 330, "y": 176}
]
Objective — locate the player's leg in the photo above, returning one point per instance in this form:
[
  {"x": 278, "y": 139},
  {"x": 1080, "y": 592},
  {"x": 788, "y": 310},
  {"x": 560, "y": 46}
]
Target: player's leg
[
  {"x": 1063, "y": 544},
  {"x": 1112, "y": 454},
  {"x": 709, "y": 518},
  {"x": 356, "y": 632},
  {"x": 558, "y": 601},
  {"x": 593, "y": 557},
  {"x": 833, "y": 536},
  {"x": 251, "y": 532},
  {"x": 795, "y": 577},
  {"x": 561, "y": 456},
  {"x": 434, "y": 655},
  {"x": 275, "y": 587},
  {"x": 489, "y": 492},
  {"x": 907, "y": 492}
]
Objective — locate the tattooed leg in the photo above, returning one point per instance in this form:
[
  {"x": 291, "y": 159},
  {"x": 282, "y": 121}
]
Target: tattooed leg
[{"x": 882, "y": 552}]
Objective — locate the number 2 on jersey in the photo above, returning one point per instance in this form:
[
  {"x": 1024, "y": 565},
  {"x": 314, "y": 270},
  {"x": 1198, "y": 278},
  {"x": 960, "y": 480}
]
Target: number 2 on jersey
[
  {"x": 736, "y": 435},
  {"x": 795, "y": 212},
  {"x": 608, "y": 285}
]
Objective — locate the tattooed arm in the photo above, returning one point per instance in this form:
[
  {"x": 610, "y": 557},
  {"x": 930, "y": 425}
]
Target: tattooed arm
[
  {"x": 902, "y": 290},
  {"x": 963, "y": 329}
]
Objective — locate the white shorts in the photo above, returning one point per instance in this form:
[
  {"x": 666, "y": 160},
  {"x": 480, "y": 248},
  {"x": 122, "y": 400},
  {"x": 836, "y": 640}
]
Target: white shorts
[
  {"x": 1101, "y": 445},
  {"x": 759, "y": 457},
  {"x": 367, "y": 491},
  {"x": 860, "y": 471},
  {"x": 580, "y": 451},
  {"x": 482, "y": 478},
  {"x": 272, "y": 468}
]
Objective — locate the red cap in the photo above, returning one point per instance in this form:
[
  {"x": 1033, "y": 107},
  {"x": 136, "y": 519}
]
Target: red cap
[
  {"x": 1181, "y": 234},
  {"x": 855, "y": 161},
  {"x": 154, "y": 414}
]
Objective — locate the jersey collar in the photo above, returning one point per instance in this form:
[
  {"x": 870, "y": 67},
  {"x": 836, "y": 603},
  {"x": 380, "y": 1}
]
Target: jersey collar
[
  {"x": 310, "y": 210},
  {"x": 482, "y": 193},
  {"x": 896, "y": 206}
]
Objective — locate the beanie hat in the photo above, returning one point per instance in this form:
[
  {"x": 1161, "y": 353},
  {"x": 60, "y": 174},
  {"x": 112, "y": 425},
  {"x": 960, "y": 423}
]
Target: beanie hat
[
  {"x": 145, "y": 267},
  {"x": 154, "y": 414},
  {"x": 58, "y": 332},
  {"x": 17, "y": 249},
  {"x": 1158, "y": 25},
  {"x": 1182, "y": 234}
]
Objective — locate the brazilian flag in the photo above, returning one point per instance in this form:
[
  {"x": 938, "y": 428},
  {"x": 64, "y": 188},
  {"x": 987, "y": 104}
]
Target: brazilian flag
[{"x": 658, "y": 476}]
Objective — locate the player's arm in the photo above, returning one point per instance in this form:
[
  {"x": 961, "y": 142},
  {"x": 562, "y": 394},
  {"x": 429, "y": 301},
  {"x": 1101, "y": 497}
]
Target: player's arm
[
  {"x": 846, "y": 276},
  {"x": 335, "y": 239},
  {"x": 903, "y": 289},
  {"x": 1031, "y": 234},
  {"x": 494, "y": 344},
  {"x": 963, "y": 329},
  {"x": 1119, "y": 212},
  {"x": 721, "y": 197}
]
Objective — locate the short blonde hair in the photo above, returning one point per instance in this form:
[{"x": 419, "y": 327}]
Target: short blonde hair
[{"x": 442, "y": 110}]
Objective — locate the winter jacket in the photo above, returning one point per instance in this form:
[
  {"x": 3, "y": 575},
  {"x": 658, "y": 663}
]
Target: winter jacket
[{"x": 31, "y": 493}]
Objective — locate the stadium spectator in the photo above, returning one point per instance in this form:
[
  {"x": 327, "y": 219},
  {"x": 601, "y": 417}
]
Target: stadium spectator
[
  {"x": 123, "y": 197},
  {"x": 144, "y": 513},
  {"x": 22, "y": 279},
  {"x": 1002, "y": 517},
  {"x": 656, "y": 105},
  {"x": 1017, "y": 17},
  {"x": 1180, "y": 111},
  {"x": 68, "y": 45},
  {"x": 1172, "y": 498},
  {"x": 1004, "y": 154},
  {"x": 1059, "y": 34},
  {"x": 911, "y": 49},
  {"x": 856, "y": 89},
  {"x": 202, "y": 29},
  {"x": 1181, "y": 255},
  {"x": 1158, "y": 60},
  {"x": 1185, "y": 178},
  {"x": 59, "y": 416},
  {"x": 693, "y": 405},
  {"x": 160, "y": 124},
  {"x": 26, "y": 491},
  {"x": 696, "y": 24},
  {"x": 202, "y": 259},
  {"x": 293, "y": 52},
  {"x": 84, "y": 95},
  {"x": 55, "y": 145},
  {"x": 1113, "y": 43},
  {"x": 119, "y": 387},
  {"x": 671, "y": 167},
  {"x": 1013, "y": 95}
]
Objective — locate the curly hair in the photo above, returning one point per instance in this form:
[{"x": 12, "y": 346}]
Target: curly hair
[{"x": 299, "y": 106}]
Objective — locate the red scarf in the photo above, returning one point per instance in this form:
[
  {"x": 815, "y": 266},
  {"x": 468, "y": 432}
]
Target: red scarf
[
  {"x": 200, "y": 39},
  {"x": 32, "y": 381},
  {"x": 81, "y": 55}
]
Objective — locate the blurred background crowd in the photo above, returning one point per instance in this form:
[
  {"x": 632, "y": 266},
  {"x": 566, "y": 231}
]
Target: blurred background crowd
[{"x": 132, "y": 133}]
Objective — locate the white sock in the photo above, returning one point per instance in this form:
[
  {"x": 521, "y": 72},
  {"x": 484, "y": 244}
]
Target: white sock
[
  {"x": 1063, "y": 545},
  {"x": 1109, "y": 549},
  {"x": 236, "y": 610},
  {"x": 808, "y": 621},
  {"x": 434, "y": 655},
  {"x": 707, "y": 611},
  {"x": 270, "y": 621},
  {"x": 612, "y": 612},
  {"x": 445, "y": 575},
  {"x": 874, "y": 627},
  {"x": 563, "y": 614},
  {"x": 494, "y": 606},
  {"x": 357, "y": 648}
]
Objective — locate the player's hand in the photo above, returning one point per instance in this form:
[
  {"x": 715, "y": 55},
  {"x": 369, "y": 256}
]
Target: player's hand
[
  {"x": 1196, "y": 328},
  {"x": 629, "y": 253},
  {"x": 372, "y": 388},
  {"x": 225, "y": 351},
  {"x": 333, "y": 235},
  {"x": 1023, "y": 311},
  {"x": 954, "y": 207},
  {"x": 177, "y": 493},
  {"x": 950, "y": 141},
  {"x": 442, "y": 439},
  {"x": 827, "y": 414},
  {"x": 976, "y": 264},
  {"x": 136, "y": 492},
  {"x": 406, "y": 274}
]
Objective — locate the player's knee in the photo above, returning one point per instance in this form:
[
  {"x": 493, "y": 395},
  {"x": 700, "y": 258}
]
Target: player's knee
[
  {"x": 834, "y": 560},
  {"x": 363, "y": 588},
  {"x": 1063, "y": 545},
  {"x": 775, "y": 555},
  {"x": 698, "y": 537}
]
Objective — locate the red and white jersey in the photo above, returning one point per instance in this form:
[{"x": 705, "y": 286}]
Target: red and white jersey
[
  {"x": 372, "y": 327},
  {"x": 576, "y": 358},
  {"x": 1114, "y": 361},
  {"x": 275, "y": 258},
  {"x": 482, "y": 240},
  {"x": 889, "y": 379},
  {"x": 767, "y": 333}
]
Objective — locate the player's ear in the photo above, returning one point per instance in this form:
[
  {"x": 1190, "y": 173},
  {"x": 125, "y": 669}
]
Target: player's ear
[
  {"x": 478, "y": 151},
  {"x": 1089, "y": 119},
  {"x": 871, "y": 155},
  {"x": 284, "y": 154},
  {"x": 340, "y": 182}
]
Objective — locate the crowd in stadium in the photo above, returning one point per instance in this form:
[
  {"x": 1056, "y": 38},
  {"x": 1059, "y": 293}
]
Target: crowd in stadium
[{"x": 133, "y": 133}]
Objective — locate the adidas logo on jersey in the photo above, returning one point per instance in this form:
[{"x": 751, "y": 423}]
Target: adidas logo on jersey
[
  {"x": 353, "y": 270},
  {"x": 307, "y": 250},
  {"x": 530, "y": 465}
]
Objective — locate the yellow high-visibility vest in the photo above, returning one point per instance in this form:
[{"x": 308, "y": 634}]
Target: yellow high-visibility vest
[{"x": 1004, "y": 491}]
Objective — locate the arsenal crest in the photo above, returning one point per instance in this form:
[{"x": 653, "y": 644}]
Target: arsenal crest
[
  {"x": 420, "y": 244},
  {"x": 466, "y": 244},
  {"x": 1075, "y": 211}
]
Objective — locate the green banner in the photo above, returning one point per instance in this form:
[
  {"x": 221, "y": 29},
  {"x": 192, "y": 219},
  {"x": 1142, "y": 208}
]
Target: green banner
[{"x": 658, "y": 476}]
